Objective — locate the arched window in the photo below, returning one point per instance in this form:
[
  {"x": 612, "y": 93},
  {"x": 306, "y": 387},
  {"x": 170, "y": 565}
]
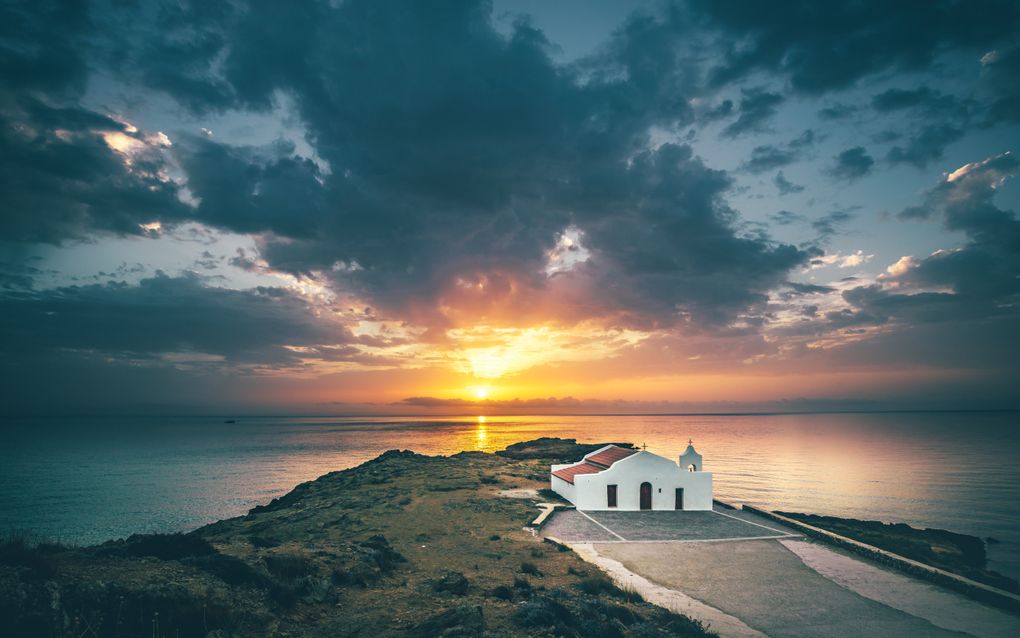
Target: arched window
[{"x": 692, "y": 468}]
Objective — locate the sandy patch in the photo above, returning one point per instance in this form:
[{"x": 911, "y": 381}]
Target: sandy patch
[{"x": 519, "y": 493}]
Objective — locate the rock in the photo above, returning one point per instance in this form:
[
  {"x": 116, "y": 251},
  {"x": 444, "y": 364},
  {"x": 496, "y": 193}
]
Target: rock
[
  {"x": 453, "y": 582},
  {"x": 465, "y": 621},
  {"x": 316, "y": 589}
]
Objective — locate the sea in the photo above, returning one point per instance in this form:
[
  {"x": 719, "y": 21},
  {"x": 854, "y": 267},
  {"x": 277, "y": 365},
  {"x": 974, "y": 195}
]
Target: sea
[{"x": 87, "y": 480}]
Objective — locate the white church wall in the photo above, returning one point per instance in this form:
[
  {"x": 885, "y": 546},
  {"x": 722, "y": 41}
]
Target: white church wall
[
  {"x": 561, "y": 487},
  {"x": 589, "y": 490}
]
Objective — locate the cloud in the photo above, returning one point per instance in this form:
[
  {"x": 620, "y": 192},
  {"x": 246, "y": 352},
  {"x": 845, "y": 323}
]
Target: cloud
[
  {"x": 451, "y": 154},
  {"x": 828, "y": 224},
  {"x": 768, "y": 156},
  {"x": 785, "y": 218},
  {"x": 837, "y": 111},
  {"x": 945, "y": 116},
  {"x": 785, "y": 186},
  {"x": 66, "y": 172},
  {"x": 821, "y": 51},
  {"x": 165, "y": 320},
  {"x": 852, "y": 164},
  {"x": 1000, "y": 70},
  {"x": 757, "y": 107}
]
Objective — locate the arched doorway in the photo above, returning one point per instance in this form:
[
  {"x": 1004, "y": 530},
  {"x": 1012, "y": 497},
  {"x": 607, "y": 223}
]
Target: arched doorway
[{"x": 646, "y": 496}]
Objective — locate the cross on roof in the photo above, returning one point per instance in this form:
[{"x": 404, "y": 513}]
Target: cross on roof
[{"x": 644, "y": 446}]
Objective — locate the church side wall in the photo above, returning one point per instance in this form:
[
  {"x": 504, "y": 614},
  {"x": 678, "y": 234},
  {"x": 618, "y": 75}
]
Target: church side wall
[{"x": 564, "y": 489}]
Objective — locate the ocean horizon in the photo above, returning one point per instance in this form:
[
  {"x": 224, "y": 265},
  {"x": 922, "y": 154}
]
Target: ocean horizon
[{"x": 92, "y": 479}]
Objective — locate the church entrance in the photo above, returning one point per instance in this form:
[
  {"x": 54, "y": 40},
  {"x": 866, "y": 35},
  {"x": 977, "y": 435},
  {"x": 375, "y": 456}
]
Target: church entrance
[
  {"x": 646, "y": 496},
  {"x": 679, "y": 498}
]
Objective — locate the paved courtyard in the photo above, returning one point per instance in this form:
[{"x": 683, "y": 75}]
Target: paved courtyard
[{"x": 575, "y": 526}]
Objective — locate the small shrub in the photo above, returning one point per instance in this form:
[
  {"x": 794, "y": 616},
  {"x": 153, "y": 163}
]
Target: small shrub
[
  {"x": 162, "y": 546},
  {"x": 503, "y": 592},
  {"x": 549, "y": 494},
  {"x": 599, "y": 585},
  {"x": 544, "y": 613},
  {"x": 494, "y": 537},
  {"x": 489, "y": 480},
  {"x": 289, "y": 566},
  {"x": 530, "y": 569},
  {"x": 537, "y": 553},
  {"x": 573, "y": 571},
  {"x": 229, "y": 569},
  {"x": 263, "y": 542},
  {"x": 16, "y": 550},
  {"x": 522, "y": 584}
]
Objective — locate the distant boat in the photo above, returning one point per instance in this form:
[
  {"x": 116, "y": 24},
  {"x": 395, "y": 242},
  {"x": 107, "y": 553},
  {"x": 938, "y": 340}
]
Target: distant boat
[{"x": 230, "y": 421}]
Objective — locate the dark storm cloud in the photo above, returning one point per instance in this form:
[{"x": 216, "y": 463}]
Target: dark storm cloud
[
  {"x": 822, "y": 48},
  {"x": 455, "y": 153},
  {"x": 851, "y": 164},
  {"x": 1000, "y": 75},
  {"x": 757, "y": 107},
  {"x": 163, "y": 315},
  {"x": 899, "y": 99},
  {"x": 60, "y": 180}
]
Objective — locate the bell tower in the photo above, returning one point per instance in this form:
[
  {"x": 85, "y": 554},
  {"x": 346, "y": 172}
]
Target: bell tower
[{"x": 690, "y": 460}]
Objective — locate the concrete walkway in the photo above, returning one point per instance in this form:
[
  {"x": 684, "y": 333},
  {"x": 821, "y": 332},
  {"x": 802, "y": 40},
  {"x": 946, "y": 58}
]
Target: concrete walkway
[
  {"x": 942, "y": 608},
  {"x": 659, "y": 525},
  {"x": 767, "y": 587}
]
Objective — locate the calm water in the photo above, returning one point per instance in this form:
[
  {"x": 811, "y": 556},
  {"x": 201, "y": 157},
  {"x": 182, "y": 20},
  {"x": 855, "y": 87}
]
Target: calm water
[{"x": 89, "y": 480}]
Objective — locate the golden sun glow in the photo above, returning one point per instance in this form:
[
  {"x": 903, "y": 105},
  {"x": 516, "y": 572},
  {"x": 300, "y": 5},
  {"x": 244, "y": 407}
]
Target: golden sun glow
[{"x": 482, "y": 393}]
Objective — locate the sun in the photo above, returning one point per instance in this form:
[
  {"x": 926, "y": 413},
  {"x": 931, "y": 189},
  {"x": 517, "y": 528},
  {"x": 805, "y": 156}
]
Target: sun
[{"x": 481, "y": 392}]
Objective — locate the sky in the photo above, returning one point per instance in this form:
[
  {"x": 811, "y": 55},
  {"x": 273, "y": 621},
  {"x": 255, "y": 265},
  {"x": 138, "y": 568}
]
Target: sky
[{"x": 353, "y": 206}]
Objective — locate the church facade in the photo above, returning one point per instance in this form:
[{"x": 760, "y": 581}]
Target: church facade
[{"x": 617, "y": 478}]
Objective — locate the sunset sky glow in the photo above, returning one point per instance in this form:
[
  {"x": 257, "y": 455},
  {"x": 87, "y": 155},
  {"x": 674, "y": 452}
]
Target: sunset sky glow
[{"x": 360, "y": 206}]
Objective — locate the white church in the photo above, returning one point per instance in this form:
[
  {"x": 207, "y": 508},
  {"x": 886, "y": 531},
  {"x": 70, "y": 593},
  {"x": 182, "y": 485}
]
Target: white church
[{"x": 616, "y": 478}]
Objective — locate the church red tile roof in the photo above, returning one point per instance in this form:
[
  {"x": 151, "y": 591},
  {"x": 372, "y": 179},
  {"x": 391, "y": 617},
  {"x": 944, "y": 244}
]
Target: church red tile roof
[
  {"x": 568, "y": 473},
  {"x": 594, "y": 463},
  {"x": 610, "y": 455}
]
